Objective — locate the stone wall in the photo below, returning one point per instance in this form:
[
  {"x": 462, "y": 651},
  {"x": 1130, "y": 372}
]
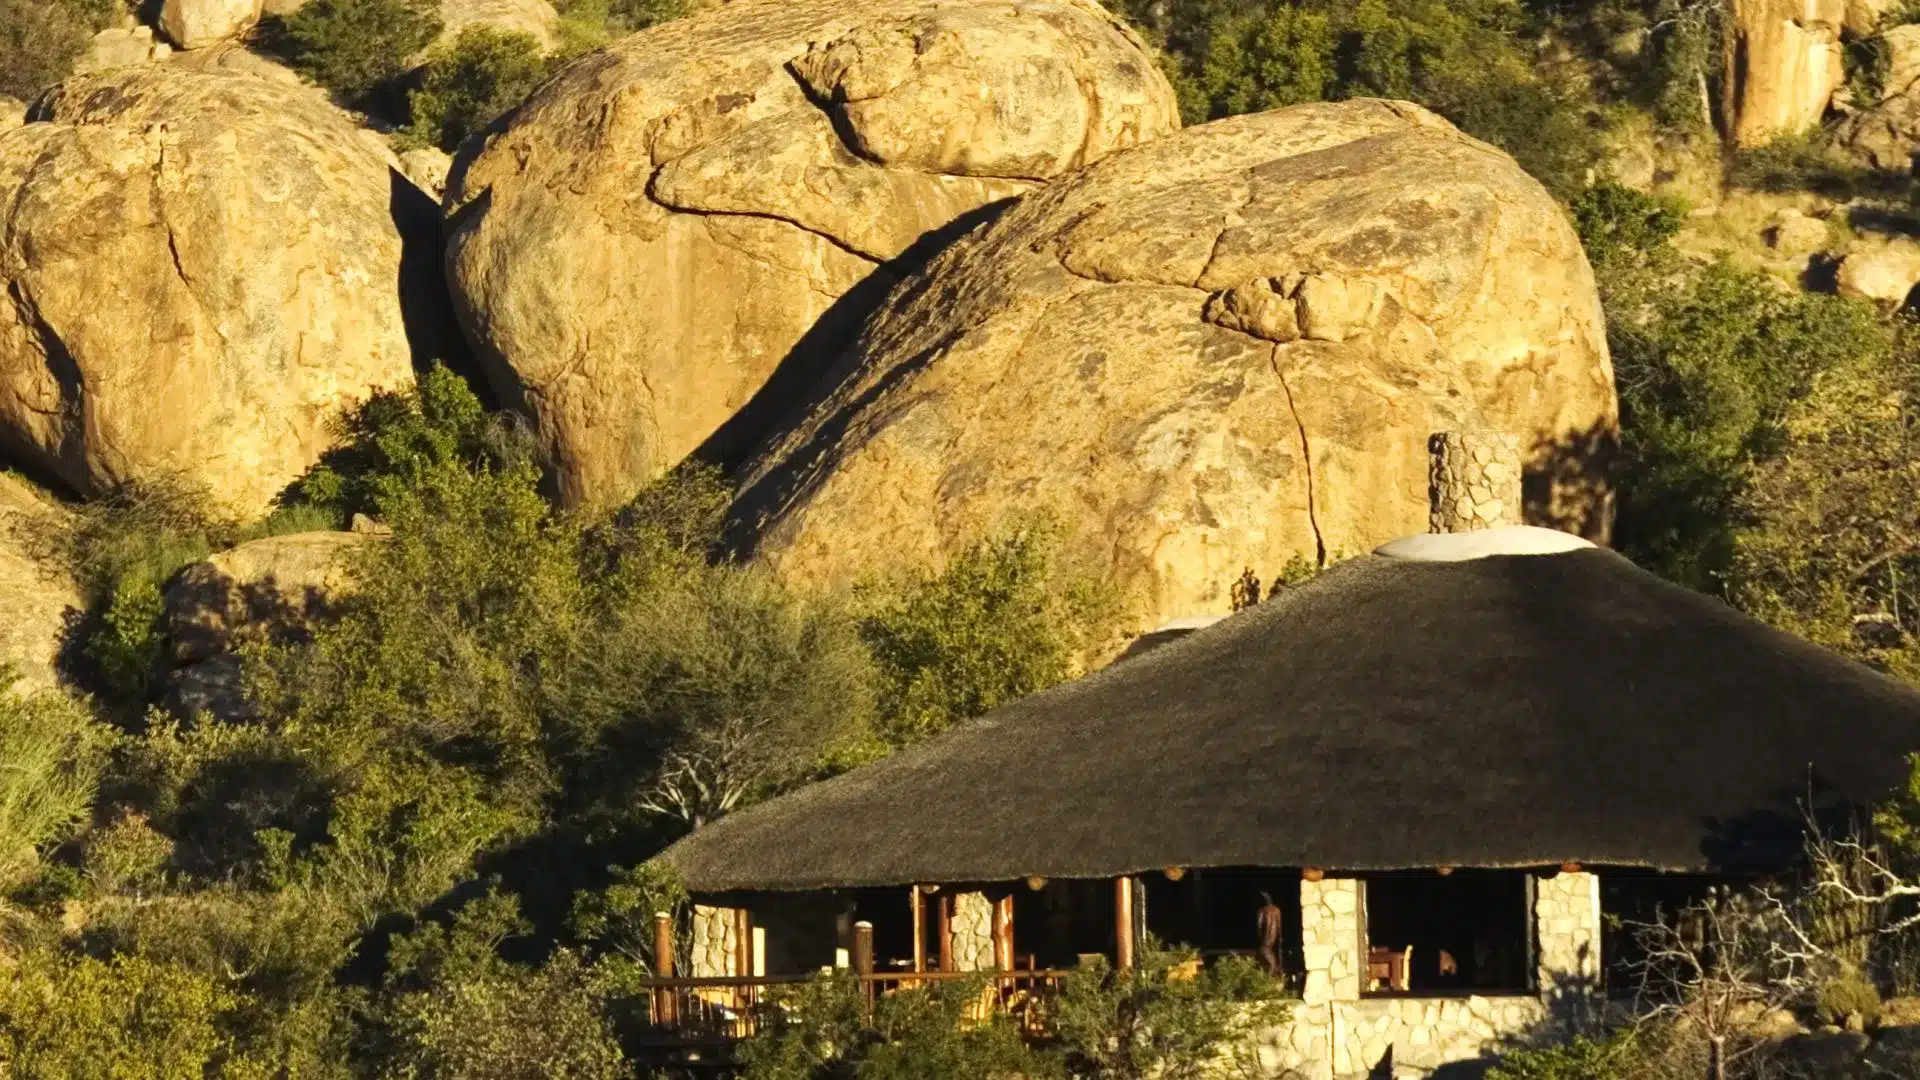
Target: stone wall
[
  {"x": 1335, "y": 1034},
  {"x": 1475, "y": 481},
  {"x": 1330, "y": 939},
  {"x": 972, "y": 932},
  {"x": 1566, "y": 910},
  {"x": 715, "y": 942}
]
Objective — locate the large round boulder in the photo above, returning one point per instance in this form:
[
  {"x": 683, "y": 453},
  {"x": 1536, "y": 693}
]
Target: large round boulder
[
  {"x": 204, "y": 267},
  {"x": 674, "y": 217},
  {"x": 1217, "y": 351}
]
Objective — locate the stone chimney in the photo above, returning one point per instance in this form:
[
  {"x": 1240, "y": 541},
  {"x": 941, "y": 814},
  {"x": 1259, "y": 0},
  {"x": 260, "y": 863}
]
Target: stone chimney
[{"x": 1474, "y": 482}]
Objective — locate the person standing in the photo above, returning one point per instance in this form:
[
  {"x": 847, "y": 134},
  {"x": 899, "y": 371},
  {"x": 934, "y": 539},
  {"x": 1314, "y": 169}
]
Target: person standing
[{"x": 1268, "y": 925}]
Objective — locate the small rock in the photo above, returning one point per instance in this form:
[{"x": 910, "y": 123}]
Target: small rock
[
  {"x": 427, "y": 168},
  {"x": 366, "y": 526},
  {"x": 195, "y": 24},
  {"x": 1886, "y": 273},
  {"x": 118, "y": 48},
  {"x": 1794, "y": 233}
]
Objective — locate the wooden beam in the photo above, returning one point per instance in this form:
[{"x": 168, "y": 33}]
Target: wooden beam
[
  {"x": 1003, "y": 933},
  {"x": 918, "y": 907},
  {"x": 1123, "y": 923},
  {"x": 944, "y": 931}
]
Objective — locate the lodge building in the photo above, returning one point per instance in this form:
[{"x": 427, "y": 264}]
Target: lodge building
[{"x": 1449, "y": 762}]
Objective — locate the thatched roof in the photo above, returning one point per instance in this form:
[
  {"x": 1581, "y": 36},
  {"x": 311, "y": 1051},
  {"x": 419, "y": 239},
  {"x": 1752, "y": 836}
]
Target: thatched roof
[{"x": 1505, "y": 711}]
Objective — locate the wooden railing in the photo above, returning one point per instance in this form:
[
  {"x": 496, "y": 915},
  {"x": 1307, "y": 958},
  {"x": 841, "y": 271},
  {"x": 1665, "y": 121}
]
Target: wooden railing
[{"x": 716, "y": 1011}]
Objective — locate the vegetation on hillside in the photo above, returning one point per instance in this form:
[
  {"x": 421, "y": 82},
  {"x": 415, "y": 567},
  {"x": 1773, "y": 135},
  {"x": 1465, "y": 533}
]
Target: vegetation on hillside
[{"x": 424, "y": 852}]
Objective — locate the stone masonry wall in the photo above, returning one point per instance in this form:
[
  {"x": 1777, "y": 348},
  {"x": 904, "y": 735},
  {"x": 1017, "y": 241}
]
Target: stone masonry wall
[
  {"x": 1334, "y": 1034},
  {"x": 1475, "y": 481},
  {"x": 714, "y": 939},
  {"x": 972, "y": 932},
  {"x": 1566, "y": 909}
]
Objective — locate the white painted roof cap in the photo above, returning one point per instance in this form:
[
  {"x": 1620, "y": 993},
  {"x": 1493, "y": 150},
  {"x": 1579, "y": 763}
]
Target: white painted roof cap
[{"x": 1480, "y": 543}]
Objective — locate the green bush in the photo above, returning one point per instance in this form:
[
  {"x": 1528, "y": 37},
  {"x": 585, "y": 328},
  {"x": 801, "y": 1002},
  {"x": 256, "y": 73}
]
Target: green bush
[
  {"x": 823, "y": 1030},
  {"x": 40, "y": 40},
  {"x": 1618, "y": 226},
  {"x": 1845, "y": 995},
  {"x": 1466, "y": 61},
  {"x": 353, "y": 47},
  {"x": 456, "y": 1010},
  {"x": 128, "y": 1018},
  {"x": 388, "y": 444},
  {"x": 1616, "y": 1057},
  {"x": 1807, "y": 163},
  {"x": 1005, "y": 619},
  {"x": 484, "y": 73},
  {"x": 51, "y": 755},
  {"x": 1163, "y": 1019}
]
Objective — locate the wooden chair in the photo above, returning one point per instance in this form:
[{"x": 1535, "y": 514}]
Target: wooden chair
[{"x": 1389, "y": 967}]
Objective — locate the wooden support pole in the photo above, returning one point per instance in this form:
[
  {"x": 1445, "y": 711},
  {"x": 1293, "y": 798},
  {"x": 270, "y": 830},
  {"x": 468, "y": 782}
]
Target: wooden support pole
[
  {"x": 742, "y": 941},
  {"x": 1123, "y": 923},
  {"x": 943, "y": 930},
  {"x": 863, "y": 948},
  {"x": 1003, "y": 933},
  {"x": 664, "y": 1006},
  {"x": 918, "y": 909},
  {"x": 662, "y": 945}
]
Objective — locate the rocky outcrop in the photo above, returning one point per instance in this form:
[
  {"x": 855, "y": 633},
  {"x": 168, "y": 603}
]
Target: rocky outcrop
[
  {"x": 1886, "y": 135},
  {"x": 235, "y": 59},
  {"x": 674, "y": 217},
  {"x": 196, "y": 24},
  {"x": 427, "y": 167},
  {"x": 535, "y": 18},
  {"x": 13, "y": 112},
  {"x": 1884, "y": 270},
  {"x": 205, "y": 267},
  {"x": 119, "y": 47},
  {"x": 37, "y": 596},
  {"x": 1218, "y": 350},
  {"x": 271, "y": 589},
  {"x": 1784, "y": 60}
]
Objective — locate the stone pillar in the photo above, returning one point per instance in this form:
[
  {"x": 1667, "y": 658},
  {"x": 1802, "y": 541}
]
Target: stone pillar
[
  {"x": 1330, "y": 939},
  {"x": 716, "y": 933},
  {"x": 972, "y": 932},
  {"x": 1474, "y": 481},
  {"x": 1566, "y": 913}
]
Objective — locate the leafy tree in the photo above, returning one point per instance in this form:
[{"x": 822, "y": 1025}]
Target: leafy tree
[
  {"x": 353, "y": 47},
  {"x": 465, "y": 86},
  {"x": 1006, "y": 618}
]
